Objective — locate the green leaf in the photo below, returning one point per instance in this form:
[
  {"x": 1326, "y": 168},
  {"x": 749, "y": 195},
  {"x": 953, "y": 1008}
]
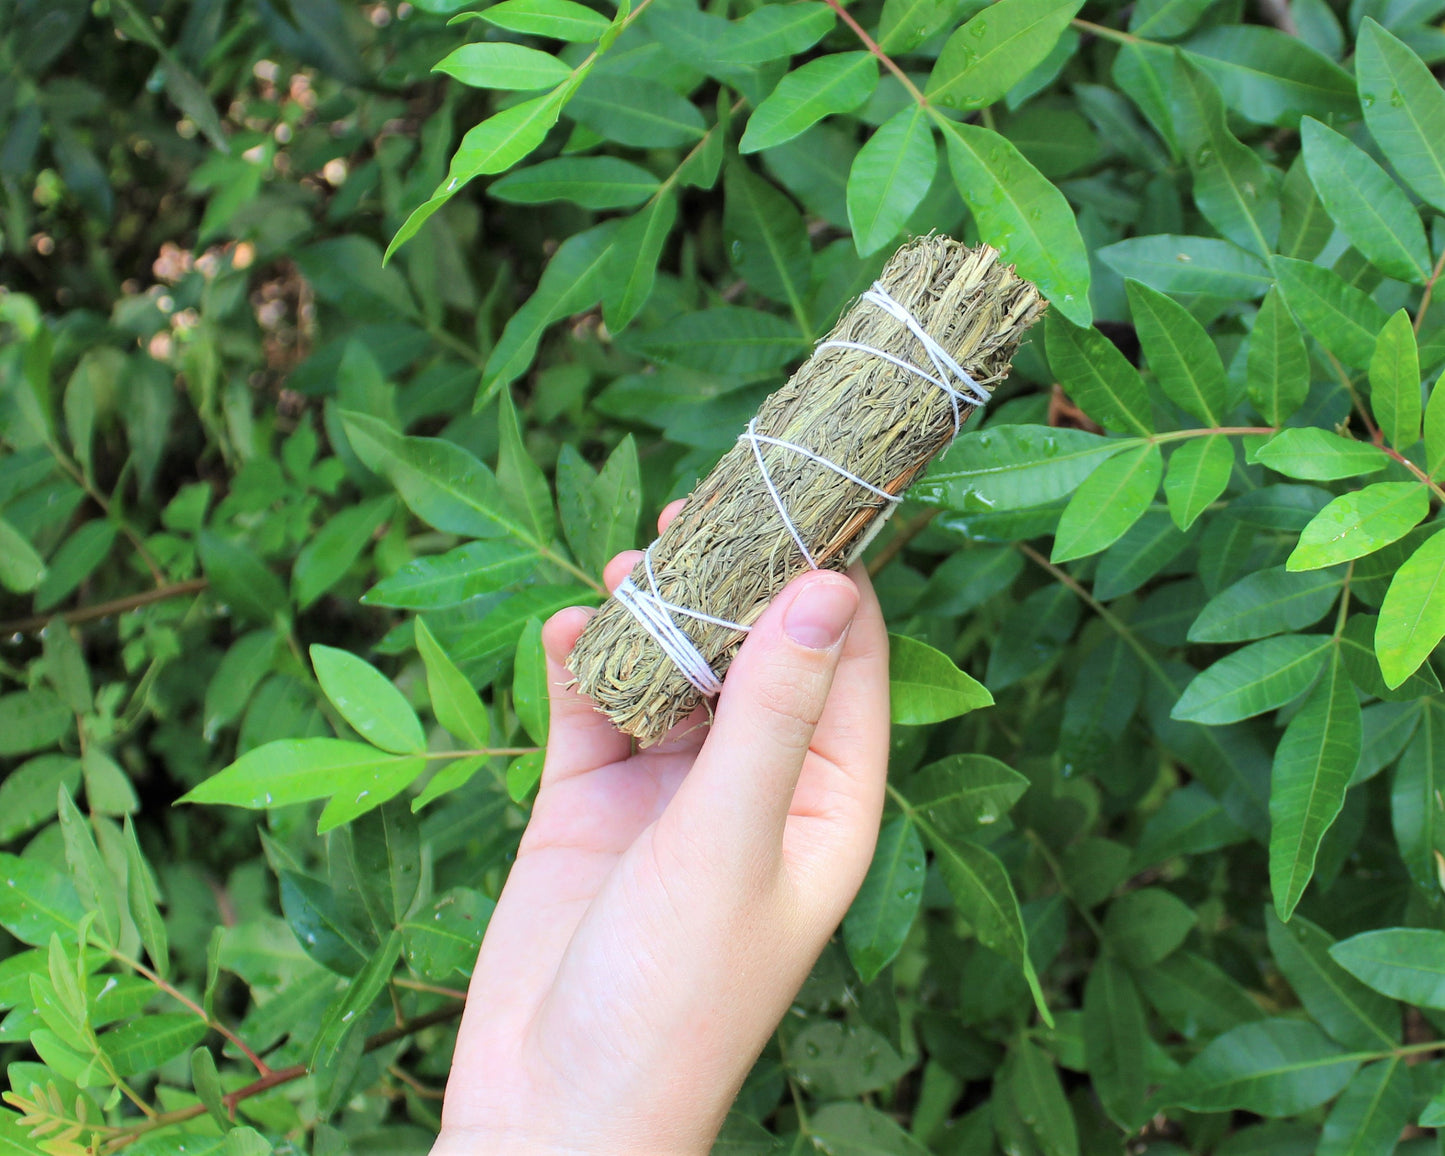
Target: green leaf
[
  {"x": 143, "y": 1045},
  {"x": 1417, "y": 810},
  {"x": 1253, "y": 679},
  {"x": 962, "y": 793},
  {"x": 1011, "y": 466},
  {"x": 349, "y": 1012},
  {"x": 834, "y": 1059},
  {"x": 239, "y": 579},
  {"x": 1270, "y": 77},
  {"x": 1395, "y": 382},
  {"x": 1359, "y": 523},
  {"x": 854, "y": 1129},
  {"x": 1336, "y": 314},
  {"x": 368, "y": 700},
  {"x": 767, "y": 241},
  {"x": 1357, "y": 1017},
  {"x": 1277, "y": 368},
  {"x": 206, "y": 1081},
  {"x": 1371, "y": 1113},
  {"x": 981, "y": 891},
  {"x": 1115, "y": 1038},
  {"x": 1273, "y": 1068},
  {"x": 558, "y": 19},
  {"x": 1031, "y": 1113},
  {"x": 28, "y": 793},
  {"x": 500, "y": 141},
  {"x": 142, "y": 898},
  {"x": 773, "y": 31},
  {"x": 1319, "y": 454},
  {"x": 839, "y": 82},
  {"x": 601, "y": 518},
  {"x": 438, "y": 580},
  {"x": 1412, "y": 617},
  {"x": 926, "y": 687},
  {"x": 455, "y": 704},
  {"x": 906, "y": 24},
  {"x": 890, "y": 177},
  {"x": 510, "y": 67},
  {"x": 600, "y": 182},
  {"x": 1111, "y": 500},
  {"x": 635, "y": 111},
  {"x": 1369, "y": 207},
  {"x": 1199, "y": 471},
  {"x": 21, "y": 568},
  {"x": 298, "y": 770},
  {"x": 65, "y": 666},
  {"x": 727, "y": 340},
  {"x": 529, "y": 683},
  {"x": 442, "y": 940},
  {"x": 385, "y": 860},
  {"x": 1312, "y": 767},
  {"x": 1357, "y": 645},
  {"x": 995, "y": 49},
  {"x": 1404, "y": 963},
  {"x": 520, "y": 478},
  {"x": 1405, "y": 110},
  {"x": 1022, "y": 214},
  {"x": 78, "y": 557},
  {"x": 1435, "y": 432},
  {"x": 325, "y": 559},
  {"x": 523, "y": 774},
  {"x": 1097, "y": 376},
  {"x": 37, "y": 901},
  {"x": 1234, "y": 189},
  {"x": 628, "y": 281},
  {"x": 1180, "y": 353},
  {"x": 1270, "y": 601},
  {"x": 1147, "y": 925},
  {"x": 1187, "y": 265},
  {"x": 31, "y": 720},
  {"x": 1166, "y": 19}
]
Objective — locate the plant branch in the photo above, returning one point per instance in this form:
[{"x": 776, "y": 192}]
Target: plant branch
[
  {"x": 1429, "y": 291},
  {"x": 873, "y": 47},
  {"x": 106, "y": 609},
  {"x": 1359, "y": 406},
  {"x": 1107, "y": 33}
]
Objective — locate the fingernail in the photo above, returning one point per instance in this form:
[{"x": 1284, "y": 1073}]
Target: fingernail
[{"x": 820, "y": 613}]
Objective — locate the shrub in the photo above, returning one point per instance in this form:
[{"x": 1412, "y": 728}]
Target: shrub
[{"x": 279, "y": 521}]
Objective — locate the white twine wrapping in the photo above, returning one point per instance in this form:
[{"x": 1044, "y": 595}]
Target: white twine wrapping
[{"x": 656, "y": 614}]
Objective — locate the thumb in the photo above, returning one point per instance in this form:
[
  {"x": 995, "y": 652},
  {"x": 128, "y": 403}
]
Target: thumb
[{"x": 734, "y": 802}]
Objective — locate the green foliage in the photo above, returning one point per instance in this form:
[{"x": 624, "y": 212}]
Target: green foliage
[{"x": 342, "y": 345}]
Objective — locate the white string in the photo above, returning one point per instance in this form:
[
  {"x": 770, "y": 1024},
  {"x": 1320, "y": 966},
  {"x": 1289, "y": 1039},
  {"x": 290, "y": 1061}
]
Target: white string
[{"x": 656, "y": 614}]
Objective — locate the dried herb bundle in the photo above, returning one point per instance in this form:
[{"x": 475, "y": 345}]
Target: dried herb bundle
[{"x": 729, "y": 552}]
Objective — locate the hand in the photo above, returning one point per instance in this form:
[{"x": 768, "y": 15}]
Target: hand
[{"x": 666, "y": 906}]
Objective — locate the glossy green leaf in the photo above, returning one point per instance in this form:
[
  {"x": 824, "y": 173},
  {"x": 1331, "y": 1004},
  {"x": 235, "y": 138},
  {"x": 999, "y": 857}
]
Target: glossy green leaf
[
  {"x": 1371, "y": 1113},
  {"x": 728, "y": 339},
  {"x": 1395, "y": 382},
  {"x": 1115, "y": 1036},
  {"x": 628, "y": 282},
  {"x": 530, "y": 697},
  {"x": 886, "y": 905},
  {"x": 368, "y": 700},
  {"x": 1359, "y": 523},
  {"x": 1274, "y": 1068},
  {"x": 442, "y": 940},
  {"x": 1366, "y": 203},
  {"x": 453, "y": 700},
  {"x": 1435, "y": 432},
  {"x": 349, "y": 1012},
  {"x": 1404, "y": 109},
  {"x": 1318, "y": 454},
  {"x": 1253, "y": 679},
  {"x": 144, "y": 1044},
  {"x": 1012, "y": 466},
  {"x": 1412, "y": 617},
  {"x": 767, "y": 240},
  {"x": 1277, "y": 368},
  {"x": 635, "y": 111},
  {"x": 962, "y": 793},
  {"x": 1022, "y": 214},
  {"x": 775, "y": 30},
  {"x": 1270, "y": 77},
  {"x": 438, "y": 580},
  {"x": 521, "y": 480},
  {"x": 297, "y": 770},
  {"x": 1166, "y": 19},
  {"x": 1177, "y": 265},
  {"x": 1180, "y": 353},
  {"x": 1404, "y": 963},
  {"x": 1313, "y": 765},
  {"x": 838, "y": 82},
  {"x": 1417, "y": 800},
  {"x": 1359, "y": 1018},
  {"x": 1110, "y": 500},
  {"x": 890, "y": 176},
  {"x": 37, "y": 901},
  {"x": 600, "y": 182},
  {"x": 1336, "y": 314},
  {"x": 1097, "y": 376},
  {"x": 1199, "y": 471},
  {"x": 511, "y": 67},
  {"x": 558, "y": 19},
  {"x": 1271, "y": 601},
  {"x": 1357, "y": 644},
  {"x": 926, "y": 687},
  {"x": 995, "y": 49}
]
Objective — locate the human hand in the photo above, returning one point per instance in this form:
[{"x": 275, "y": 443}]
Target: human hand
[{"x": 665, "y": 906}]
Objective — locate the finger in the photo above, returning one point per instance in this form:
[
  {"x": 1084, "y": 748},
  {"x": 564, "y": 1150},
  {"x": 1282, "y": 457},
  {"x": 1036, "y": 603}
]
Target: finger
[
  {"x": 620, "y": 567},
  {"x": 733, "y": 804},
  {"x": 669, "y": 512},
  {"x": 580, "y": 738}
]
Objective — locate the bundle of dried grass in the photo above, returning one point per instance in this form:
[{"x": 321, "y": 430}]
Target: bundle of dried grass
[{"x": 871, "y": 401}]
